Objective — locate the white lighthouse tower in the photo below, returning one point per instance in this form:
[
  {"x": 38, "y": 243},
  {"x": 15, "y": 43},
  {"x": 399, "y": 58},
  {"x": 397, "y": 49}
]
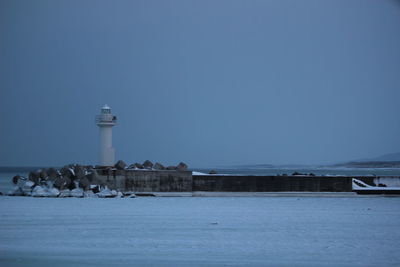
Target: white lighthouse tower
[{"x": 106, "y": 121}]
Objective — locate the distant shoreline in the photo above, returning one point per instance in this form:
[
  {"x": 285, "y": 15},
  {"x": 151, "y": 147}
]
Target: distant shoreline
[
  {"x": 354, "y": 164},
  {"x": 370, "y": 164}
]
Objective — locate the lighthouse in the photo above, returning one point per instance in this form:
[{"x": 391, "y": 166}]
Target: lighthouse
[{"x": 106, "y": 121}]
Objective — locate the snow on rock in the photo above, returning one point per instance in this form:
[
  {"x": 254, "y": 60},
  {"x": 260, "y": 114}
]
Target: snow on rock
[
  {"x": 198, "y": 173},
  {"x": 72, "y": 171},
  {"x": 53, "y": 192},
  {"x": 89, "y": 194},
  {"x": 39, "y": 191},
  {"x": 65, "y": 193},
  {"x": 21, "y": 182},
  {"x": 49, "y": 183},
  {"x": 16, "y": 192},
  {"x": 106, "y": 193},
  {"x": 42, "y": 191},
  {"x": 27, "y": 187},
  {"x": 77, "y": 192},
  {"x": 82, "y": 179}
]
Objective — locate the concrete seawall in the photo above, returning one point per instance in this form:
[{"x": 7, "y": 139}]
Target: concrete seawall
[
  {"x": 147, "y": 180},
  {"x": 219, "y": 183},
  {"x": 184, "y": 181}
]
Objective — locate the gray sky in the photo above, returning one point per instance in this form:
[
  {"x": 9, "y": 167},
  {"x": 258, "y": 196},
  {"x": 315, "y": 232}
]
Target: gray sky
[{"x": 206, "y": 82}]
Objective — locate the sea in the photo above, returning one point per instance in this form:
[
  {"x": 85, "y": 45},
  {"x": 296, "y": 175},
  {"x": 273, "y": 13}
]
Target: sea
[
  {"x": 200, "y": 231},
  {"x": 7, "y": 173}
]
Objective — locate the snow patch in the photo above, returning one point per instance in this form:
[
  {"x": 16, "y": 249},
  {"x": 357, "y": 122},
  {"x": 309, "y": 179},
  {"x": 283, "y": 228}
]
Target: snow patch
[{"x": 199, "y": 173}]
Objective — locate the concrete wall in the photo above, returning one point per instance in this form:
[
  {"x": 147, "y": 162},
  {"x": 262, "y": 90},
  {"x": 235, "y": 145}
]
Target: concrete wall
[
  {"x": 183, "y": 181},
  {"x": 271, "y": 183}
]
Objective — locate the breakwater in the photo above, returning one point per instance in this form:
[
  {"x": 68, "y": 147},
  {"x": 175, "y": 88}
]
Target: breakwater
[
  {"x": 184, "y": 181},
  {"x": 80, "y": 181}
]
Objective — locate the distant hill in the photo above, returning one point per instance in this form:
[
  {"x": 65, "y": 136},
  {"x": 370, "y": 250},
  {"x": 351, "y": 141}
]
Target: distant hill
[
  {"x": 391, "y": 160},
  {"x": 386, "y": 157},
  {"x": 253, "y": 166},
  {"x": 269, "y": 166},
  {"x": 369, "y": 164}
]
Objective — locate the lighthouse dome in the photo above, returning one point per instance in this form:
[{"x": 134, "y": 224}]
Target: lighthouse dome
[{"x": 106, "y": 109}]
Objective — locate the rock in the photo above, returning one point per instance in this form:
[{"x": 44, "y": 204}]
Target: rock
[
  {"x": 15, "y": 179},
  {"x": 63, "y": 182},
  {"x": 51, "y": 178},
  {"x": 158, "y": 166},
  {"x": 43, "y": 173},
  {"x": 66, "y": 171},
  {"x": 65, "y": 193},
  {"x": 120, "y": 165},
  {"x": 52, "y": 173},
  {"x": 147, "y": 164},
  {"x": 84, "y": 183},
  {"x": 182, "y": 167},
  {"x": 77, "y": 192},
  {"x": 42, "y": 181},
  {"x": 59, "y": 182},
  {"x": 100, "y": 167},
  {"x": 138, "y": 166},
  {"x": 95, "y": 188},
  {"x": 34, "y": 177},
  {"x": 79, "y": 172},
  {"x": 70, "y": 184},
  {"x": 92, "y": 177},
  {"x": 212, "y": 172},
  {"x": 171, "y": 168}
]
